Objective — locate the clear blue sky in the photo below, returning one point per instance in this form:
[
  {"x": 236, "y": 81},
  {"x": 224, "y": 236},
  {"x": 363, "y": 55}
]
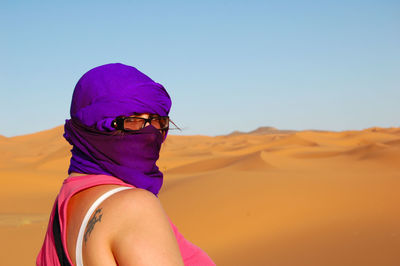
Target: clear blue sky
[{"x": 228, "y": 65}]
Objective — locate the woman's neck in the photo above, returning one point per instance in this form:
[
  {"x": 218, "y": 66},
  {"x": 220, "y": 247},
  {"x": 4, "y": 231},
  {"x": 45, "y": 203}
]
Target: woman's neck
[{"x": 76, "y": 174}]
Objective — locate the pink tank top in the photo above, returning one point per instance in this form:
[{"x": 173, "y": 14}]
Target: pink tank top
[{"x": 191, "y": 254}]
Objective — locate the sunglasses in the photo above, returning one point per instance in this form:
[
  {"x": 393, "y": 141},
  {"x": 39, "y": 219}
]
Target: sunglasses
[{"x": 133, "y": 123}]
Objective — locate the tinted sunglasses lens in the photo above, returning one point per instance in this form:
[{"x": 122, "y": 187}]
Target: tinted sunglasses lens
[
  {"x": 160, "y": 122},
  {"x": 133, "y": 123}
]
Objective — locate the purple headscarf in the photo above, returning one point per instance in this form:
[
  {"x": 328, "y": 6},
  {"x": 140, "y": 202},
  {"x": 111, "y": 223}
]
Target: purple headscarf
[{"x": 101, "y": 95}]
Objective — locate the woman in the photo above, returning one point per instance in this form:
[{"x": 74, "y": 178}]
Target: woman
[{"x": 107, "y": 211}]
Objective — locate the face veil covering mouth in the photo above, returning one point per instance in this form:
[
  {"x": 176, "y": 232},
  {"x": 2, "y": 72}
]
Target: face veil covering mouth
[{"x": 101, "y": 95}]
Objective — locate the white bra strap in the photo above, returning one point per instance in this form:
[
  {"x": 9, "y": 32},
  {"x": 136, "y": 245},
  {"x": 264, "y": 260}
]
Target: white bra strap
[{"x": 78, "y": 251}]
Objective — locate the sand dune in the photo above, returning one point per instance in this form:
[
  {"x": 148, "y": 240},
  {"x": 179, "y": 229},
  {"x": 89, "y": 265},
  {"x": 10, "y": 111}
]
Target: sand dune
[
  {"x": 205, "y": 165},
  {"x": 267, "y": 197},
  {"x": 395, "y": 142},
  {"x": 249, "y": 162}
]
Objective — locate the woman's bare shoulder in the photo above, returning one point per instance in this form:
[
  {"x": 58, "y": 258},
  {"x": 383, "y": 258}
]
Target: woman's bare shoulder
[
  {"x": 136, "y": 200},
  {"x": 137, "y": 229}
]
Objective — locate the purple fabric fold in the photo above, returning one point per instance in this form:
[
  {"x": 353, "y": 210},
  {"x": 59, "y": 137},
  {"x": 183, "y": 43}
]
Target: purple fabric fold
[{"x": 101, "y": 95}]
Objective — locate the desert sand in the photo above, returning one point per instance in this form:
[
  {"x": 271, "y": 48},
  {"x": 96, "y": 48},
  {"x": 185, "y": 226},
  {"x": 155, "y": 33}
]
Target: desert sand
[{"x": 268, "y": 197}]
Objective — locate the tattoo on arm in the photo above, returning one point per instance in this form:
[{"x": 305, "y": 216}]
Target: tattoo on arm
[{"x": 96, "y": 218}]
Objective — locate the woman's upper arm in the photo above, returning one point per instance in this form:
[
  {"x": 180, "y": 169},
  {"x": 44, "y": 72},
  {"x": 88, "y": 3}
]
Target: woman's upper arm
[{"x": 140, "y": 233}]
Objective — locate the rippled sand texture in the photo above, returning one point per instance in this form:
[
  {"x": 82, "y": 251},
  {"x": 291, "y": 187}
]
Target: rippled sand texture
[{"x": 267, "y": 198}]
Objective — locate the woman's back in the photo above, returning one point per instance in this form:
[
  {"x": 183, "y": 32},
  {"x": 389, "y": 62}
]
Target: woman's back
[
  {"x": 129, "y": 227},
  {"x": 134, "y": 213}
]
